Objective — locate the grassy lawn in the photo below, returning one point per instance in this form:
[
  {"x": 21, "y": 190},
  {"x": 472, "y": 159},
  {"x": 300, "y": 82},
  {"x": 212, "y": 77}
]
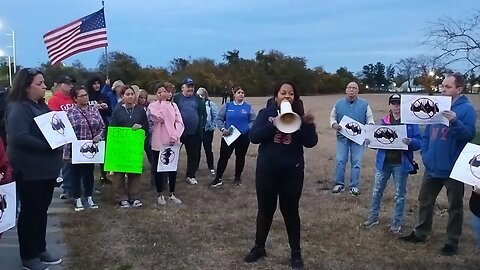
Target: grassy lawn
[{"x": 215, "y": 228}]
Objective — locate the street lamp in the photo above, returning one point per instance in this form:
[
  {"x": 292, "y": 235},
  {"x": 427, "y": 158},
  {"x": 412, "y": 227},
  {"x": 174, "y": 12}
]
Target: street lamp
[
  {"x": 12, "y": 34},
  {"x": 9, "y": 67}
]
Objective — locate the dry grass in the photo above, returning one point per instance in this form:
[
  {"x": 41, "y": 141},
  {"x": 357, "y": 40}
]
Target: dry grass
[{"x": 214, "y": 228}]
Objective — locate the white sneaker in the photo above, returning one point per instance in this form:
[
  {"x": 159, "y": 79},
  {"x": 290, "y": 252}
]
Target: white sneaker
[
  {"x": 192, "y": 181},
  {"x": 161, "y": 200},
  {"x": 79, "y": 205},
  {"x": 174, "y": 199},
  {"x": 124, "y": 204},
  {"x": 137, "y": 203},
  {"x": 91, "y": 204}
]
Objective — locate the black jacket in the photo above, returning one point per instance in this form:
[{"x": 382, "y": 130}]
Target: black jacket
[
  {"x": 121, "y": 118},
  {"x": 277, "y": 149},
  {"x": 28, "y": 150},
  {"x": 97, "y": 97}
]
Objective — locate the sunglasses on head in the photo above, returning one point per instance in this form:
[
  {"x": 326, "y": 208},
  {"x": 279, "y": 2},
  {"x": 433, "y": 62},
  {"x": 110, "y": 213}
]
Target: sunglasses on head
[{"x": 33, "y": 71}]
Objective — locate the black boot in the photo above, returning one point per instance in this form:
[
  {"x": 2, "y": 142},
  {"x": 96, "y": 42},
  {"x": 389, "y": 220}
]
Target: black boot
[
  {"x": 296, "y": 262},
  {"x": 255, "y": 254}
]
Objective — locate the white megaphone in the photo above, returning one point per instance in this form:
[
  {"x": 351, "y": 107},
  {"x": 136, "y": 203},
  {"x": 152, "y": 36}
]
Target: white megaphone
[{"x": 288, "y": 121}]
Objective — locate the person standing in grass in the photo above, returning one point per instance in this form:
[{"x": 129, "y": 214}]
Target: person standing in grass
[
  {"x": 359, "y": 110},
  {"x": 475, "y": 208},
  {"x": 396, "y": 162},
  {"x": 167, "y": 127},
  {"x": 210, "y": 126},
  {"x": 241, "y": 115},
  {"x": 100, "y": 101},
  {"x": 441, "y": 146},
  {"x": 280, "y": 172},
  {"x": 128, "y": 114},
  {"x": 35, "y": 165},
  {"x": 88, "y": 125}
]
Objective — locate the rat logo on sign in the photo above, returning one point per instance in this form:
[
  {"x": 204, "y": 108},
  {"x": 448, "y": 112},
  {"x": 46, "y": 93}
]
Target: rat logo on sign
[
  {"x": 474, "y": 166},
  {"x": 168, "y": 156},
  {"x": 424, "y": 108},
  {"x": 57, "y": 124},
  {"x": 385, "y": 135},
  {"x": 353, "y": 129},
  {"x": 3, "y": 204},
  {"x": 89, "y": 150}
]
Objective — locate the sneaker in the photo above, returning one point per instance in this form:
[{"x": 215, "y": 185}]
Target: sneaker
[
  {"x": 97, "y": 191},
  {"x": 216, "y": 182},
  {"x": 449, "y": 250},
  {"x": 237, "y": 181},
  {"x": 395, "y": 229},
  {"x": 255, "y": 254},
  {"x": 296, "y": 262},
  {"x": 212, "y": 171},
  {"x": 63, "y": 196},
  {"x": 124, "y": 204},
  {"x": 137, "y": 203},
  {"x": 91, "y": 204},
  {"x": 161, "y": 200},
  {"x": 174, "y": 200},
  {"x": 412, "y": 238},
  {"x": 370, "y": 223},
  {"x": 47, "y": 258},
  {"x": 79, "y": 205},
  {"x": 34, "y": 264},
  {"x": 354, "y": 191},
  {"x": 338, "y": 189},
  {"x": 192, "y": 180}
]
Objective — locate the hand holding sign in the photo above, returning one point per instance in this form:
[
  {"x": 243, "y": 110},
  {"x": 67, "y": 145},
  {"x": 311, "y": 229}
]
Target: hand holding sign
[
  {"x": 352, "y": 129},
  {"x": 124, "y": 151}
]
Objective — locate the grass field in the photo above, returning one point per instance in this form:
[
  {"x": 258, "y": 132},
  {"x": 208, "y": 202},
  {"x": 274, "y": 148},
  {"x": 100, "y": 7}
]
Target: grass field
[{"x": 214, "y": 228}]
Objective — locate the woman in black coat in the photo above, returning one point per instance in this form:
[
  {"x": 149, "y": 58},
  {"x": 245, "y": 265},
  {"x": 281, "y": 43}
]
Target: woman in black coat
[{"x": 35, "y": 164}]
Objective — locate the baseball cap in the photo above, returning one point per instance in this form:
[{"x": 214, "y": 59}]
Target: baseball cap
[
  {"x": 394, "y": 98},
  {"x": 188, "y": 81},
  {"x": 66, "y": 79}
]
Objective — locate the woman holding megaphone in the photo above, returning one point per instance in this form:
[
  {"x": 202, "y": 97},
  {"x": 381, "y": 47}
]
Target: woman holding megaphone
[{"x": 282, "y": 133}]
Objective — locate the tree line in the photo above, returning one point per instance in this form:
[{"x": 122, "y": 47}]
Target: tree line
[{"x": 457, "y": 40}]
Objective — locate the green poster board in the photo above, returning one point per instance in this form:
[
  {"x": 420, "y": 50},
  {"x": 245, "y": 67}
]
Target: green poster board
[{"x": 124, "y": 150}]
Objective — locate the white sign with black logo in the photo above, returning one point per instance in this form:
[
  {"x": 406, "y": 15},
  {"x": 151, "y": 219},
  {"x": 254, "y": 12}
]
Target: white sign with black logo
[
  {"x": 8, "y": 206},
  {"x": 352, "y": 129},
  {"x": 386, "y": 136},
  {"x": 168, "y": 158},
  {"x": 467, "y": 166},
  {"x": 87, "y": 152},
  {"x": 56, "y": 128},
  {"x": 424, "y": 110}
]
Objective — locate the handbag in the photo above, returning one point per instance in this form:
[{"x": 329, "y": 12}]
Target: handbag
[{"x": 414, "y": 164}]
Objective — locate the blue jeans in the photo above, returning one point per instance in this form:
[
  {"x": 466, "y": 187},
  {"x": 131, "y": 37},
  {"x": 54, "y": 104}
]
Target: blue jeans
[
  {"x": 476, "y": 228},
  {"x": 344, "y": 147},
  {"x": 65, "y": 174},
  {"x": 400, "y": 181}
]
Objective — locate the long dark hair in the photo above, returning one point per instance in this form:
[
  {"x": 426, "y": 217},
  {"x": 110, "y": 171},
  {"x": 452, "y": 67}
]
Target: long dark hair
[
  {"x": 23, "y": 79},
  {"x": 297, "y": 104}
]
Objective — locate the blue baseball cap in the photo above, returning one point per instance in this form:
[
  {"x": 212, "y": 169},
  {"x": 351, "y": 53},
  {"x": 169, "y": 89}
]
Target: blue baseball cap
[{"x": 188, "y": 81}]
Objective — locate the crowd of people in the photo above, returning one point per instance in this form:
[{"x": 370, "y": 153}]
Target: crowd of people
[{"x": 190, "y": 118}]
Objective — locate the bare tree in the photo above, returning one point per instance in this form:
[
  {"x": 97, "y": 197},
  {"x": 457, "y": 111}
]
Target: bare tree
[
  {"x": 408, "y": 68},
  {"x": 458, "y": 40}
]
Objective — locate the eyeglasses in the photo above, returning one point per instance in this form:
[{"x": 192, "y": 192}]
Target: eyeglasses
[
  {"x": 351, "y": 87},
  {"x": 82, "y": 95}
]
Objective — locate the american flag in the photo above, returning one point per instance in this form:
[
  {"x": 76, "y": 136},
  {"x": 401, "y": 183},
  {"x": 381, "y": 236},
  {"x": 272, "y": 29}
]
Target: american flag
[{"x": 81, "y": 35}]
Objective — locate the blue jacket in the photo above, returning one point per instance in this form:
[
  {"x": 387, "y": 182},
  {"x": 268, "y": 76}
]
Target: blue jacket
[
  {"x": 212, "y": 114},
  {"x": 112, "y": 96},
  {"x": 413, "y": 132},
  {"x": 442, "y": 144}
]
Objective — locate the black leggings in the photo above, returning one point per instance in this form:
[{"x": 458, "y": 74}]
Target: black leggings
[
  {"x": 285, "y": 184},
  {"x": 240, "y": 145},
  {"x": 160, "y": 177}
]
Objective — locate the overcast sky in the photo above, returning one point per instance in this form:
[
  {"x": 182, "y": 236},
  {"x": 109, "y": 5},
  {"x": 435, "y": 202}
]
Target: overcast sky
[{"x": 332, "y": 34}]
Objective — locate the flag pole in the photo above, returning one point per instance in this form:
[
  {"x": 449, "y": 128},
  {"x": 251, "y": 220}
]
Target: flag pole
[{"x": 106, "y": 48}]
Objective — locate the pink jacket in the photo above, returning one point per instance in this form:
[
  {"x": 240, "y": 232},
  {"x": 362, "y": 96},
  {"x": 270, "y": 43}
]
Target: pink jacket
[{"x": 167, "y": 123}]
